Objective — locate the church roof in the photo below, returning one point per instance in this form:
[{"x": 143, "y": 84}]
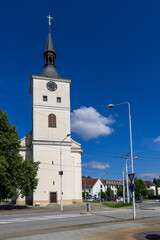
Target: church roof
[
  {"x": 49, "y": 45},
  {"x": 49, "y": 58}
]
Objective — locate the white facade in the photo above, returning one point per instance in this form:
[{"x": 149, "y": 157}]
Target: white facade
[
  {"x": 95, "y": 189},
  {"x": 45, "y": 142}
]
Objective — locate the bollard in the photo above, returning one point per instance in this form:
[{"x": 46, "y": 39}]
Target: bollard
[{"x": 88, "y": 207}]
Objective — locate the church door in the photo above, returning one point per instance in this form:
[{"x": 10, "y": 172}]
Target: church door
[{"x": 53, "y": 197}]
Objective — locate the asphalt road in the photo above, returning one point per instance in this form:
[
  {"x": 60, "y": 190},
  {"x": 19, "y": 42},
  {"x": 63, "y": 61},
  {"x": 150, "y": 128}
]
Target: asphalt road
[{"x": 12, "y": 226}]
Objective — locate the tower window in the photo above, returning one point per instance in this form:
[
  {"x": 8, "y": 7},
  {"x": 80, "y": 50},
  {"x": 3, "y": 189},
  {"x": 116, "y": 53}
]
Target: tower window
[
  {"x": 52, "y": 120},
  {"x": 45, "y": 98},
  {"x": 58, "y": 99},
  {"x": 50, "y": 60}
]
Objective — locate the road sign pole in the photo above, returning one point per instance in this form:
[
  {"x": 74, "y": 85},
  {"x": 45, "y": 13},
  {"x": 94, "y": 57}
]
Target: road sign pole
[{"x": 130, "y": 131}]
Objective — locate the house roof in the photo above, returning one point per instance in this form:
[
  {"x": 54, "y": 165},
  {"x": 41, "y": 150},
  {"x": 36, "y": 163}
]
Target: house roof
[
  {"x": 149, "y": 183},
  {"x": 111, "y": 182},
  {"x": 88, "y": 182}
]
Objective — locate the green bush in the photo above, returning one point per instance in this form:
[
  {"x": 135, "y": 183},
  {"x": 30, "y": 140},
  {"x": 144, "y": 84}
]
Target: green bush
[{"x": 117, "y": 205}]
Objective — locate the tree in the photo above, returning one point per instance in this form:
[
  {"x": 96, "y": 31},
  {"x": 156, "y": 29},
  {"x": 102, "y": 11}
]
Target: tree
[
  {"x": 109, "y": 192},
  {"x": 15, "y": 173},
  {"x": 140, "y": 188},
  {"x": 157, "y": 182},
  {"x": 85, "y": 194},
  {"x": 103, "y": 195},
  {"x": 89, "y": 177},
  {"x": 151, "y": 193},
  {"x": 120, "y": 191},
  {"x": 83, "y": 177}
]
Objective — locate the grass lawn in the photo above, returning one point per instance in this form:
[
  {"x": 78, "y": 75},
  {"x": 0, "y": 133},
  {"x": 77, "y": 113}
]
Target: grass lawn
[{"x": 117, "y": 205}]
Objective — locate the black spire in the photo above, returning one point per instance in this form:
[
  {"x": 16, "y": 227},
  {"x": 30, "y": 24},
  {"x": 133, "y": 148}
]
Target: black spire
[{"x": 49, "y": 58}]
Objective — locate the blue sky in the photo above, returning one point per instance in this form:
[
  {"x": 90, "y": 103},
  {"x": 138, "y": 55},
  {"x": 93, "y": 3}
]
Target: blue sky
[{"x": 111, "y": 51}]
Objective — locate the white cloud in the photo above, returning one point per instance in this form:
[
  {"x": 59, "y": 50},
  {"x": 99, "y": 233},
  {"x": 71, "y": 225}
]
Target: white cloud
[
  {"x": 90, "y": 124},
  {"x": 149, "y": 175},
  {"x": 97, "y": 165},
  {"x": 156, "y": 139}
]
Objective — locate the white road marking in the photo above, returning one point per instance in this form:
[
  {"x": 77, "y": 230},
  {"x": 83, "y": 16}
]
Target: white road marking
[{"x": 40, "y": 218}]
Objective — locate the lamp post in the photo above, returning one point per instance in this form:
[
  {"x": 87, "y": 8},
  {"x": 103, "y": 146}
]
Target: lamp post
[
  {"x": 61, "y": 172},
  {"x": 131, "y": 149},
  {"x": 127, "y": 182},
  {"x": 124, "y": 200}
]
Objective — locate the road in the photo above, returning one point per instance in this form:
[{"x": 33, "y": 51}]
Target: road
[{"x": 38, "y": 225}]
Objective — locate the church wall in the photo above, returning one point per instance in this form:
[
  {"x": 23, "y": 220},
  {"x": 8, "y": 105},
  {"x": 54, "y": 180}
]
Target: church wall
[
  {"x": 49, "y": 178},
  {"x": 76, "y": 176}
]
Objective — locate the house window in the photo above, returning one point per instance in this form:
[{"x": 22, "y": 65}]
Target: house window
[
  {"x": 52, "y": 120},
  {"x": 52, "y": 162},
  {"x": 45, "y": 98},
  {"x": 53, "y": 182},
  {"x": 58, "y": 99}
]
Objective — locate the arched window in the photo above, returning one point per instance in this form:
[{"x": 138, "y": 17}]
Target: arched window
[{"x": 52, "y": 120}]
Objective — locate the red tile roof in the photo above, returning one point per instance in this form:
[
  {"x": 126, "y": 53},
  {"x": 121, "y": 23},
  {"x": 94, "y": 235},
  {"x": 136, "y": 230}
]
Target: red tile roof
[
  {"x": 88, "y": 182},
  {"x": 149, "y": 183},
  {"x": 111, "y": 182}
]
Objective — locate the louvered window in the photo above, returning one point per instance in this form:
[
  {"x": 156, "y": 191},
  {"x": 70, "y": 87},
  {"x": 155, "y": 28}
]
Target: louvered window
[{"x": 52, "y": 120}]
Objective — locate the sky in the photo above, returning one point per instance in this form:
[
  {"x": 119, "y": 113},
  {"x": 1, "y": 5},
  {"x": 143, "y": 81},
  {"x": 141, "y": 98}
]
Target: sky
[{"x": 111, "y": 51}]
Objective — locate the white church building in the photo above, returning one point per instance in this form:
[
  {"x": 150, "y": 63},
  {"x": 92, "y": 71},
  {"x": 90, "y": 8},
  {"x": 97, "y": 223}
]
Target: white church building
[{"x": 49, "y": 142}]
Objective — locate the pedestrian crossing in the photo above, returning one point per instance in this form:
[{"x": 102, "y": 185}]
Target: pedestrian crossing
[{"x": 39, "y": 218}]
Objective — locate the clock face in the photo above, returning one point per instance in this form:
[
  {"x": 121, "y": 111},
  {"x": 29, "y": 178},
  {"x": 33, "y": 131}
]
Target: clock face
[{"x": 51, "y": 86}]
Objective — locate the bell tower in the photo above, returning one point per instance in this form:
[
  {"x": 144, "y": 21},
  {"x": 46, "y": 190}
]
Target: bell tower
[{"x": 50, "y": 125}]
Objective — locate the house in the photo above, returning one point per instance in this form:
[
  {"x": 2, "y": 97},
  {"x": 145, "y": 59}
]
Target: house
[
  {"x": 150, "y": 186},
  {"x": 92, "y": 186},
  {"x": 113, "y": 184}
]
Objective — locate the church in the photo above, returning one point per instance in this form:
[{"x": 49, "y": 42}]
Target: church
[{"x": 49, "y": 142}]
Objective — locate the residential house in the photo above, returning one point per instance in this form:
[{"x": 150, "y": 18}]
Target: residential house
[
  {"x": 92, "y": 186},
  {"x": 150, "y": 186},
  {"x": 113, "y": 184}
]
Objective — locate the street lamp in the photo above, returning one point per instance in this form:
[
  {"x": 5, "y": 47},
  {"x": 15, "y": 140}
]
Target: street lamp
[
  {"x": 131, "y": 149},
  {"x": 61, "y": 172}
]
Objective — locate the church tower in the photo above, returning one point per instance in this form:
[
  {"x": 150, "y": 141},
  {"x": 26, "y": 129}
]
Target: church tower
[{"x": 59, "y": 156}]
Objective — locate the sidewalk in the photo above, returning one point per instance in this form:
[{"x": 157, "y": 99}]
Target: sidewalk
[{"x": 51, "y": 208}]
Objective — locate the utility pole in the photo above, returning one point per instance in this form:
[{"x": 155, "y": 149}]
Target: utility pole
[
  {"x": 100, "y": 189},
  {"x": 127, "y": 182},
  {"x": 123, "y": 188}
]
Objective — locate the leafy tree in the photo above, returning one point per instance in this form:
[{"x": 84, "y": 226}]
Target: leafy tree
[
  {"x": 120, "y": 191},
  {"x": 83, "y": 177},
  {"x": 151, "y": 193},
  {"x": 140, "y": 188},
  {"x": 157, "y": 182},
  {"x": 89, "y": 177},
  {"x": 85, "y": 194},
  {"x": 15, "y": 173},
  {"x": 109, "y": 192},
  {"x": 103, "y": 195}
]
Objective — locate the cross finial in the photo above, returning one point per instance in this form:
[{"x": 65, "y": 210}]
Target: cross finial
[{"x": 49, "y": 17}]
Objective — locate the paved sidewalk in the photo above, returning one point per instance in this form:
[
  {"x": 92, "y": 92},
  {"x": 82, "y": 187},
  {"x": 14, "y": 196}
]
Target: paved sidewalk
[{"x": 53, "y": 208}]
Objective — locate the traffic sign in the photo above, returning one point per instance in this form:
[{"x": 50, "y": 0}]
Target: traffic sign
[
  {"x": 131, "y": 187},
  {"x": 131, "y": 176}
]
